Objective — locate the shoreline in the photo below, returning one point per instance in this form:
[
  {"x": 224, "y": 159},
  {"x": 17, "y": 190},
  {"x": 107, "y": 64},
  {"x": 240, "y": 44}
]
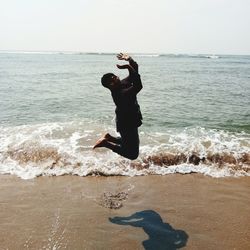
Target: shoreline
[{"x": 169, "y": 212}]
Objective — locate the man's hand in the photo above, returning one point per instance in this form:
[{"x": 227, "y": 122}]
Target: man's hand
[
  {"x": 123, "y": 56},
  {"x": 126, "y": 66}
]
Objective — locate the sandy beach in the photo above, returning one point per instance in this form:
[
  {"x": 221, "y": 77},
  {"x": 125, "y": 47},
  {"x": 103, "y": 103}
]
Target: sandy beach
[{"x": 157, "y": 212}]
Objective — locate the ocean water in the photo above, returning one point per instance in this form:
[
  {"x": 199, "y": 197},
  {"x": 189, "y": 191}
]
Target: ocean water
[{"x": 196, "y": 111}]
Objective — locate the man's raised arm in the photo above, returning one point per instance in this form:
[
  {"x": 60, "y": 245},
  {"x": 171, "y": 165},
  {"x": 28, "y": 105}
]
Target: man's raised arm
[
  {"x": 133, "y": 64},
  {"x": 126, "y": 57},
  {"x": 134, "y": 76},
  {"x": 135, "y": 79}
]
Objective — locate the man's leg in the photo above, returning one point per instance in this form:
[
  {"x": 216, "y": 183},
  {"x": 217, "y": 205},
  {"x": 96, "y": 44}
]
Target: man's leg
[
  {"x": 104, "y": 143},
  {"x": 110, "y": 138},
  {"x": 130, "y": 144},
  {"x": 108, "y": 141}
]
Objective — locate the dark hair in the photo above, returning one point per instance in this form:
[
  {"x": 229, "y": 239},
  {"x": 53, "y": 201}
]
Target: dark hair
[{"x": 106, "y": 79}]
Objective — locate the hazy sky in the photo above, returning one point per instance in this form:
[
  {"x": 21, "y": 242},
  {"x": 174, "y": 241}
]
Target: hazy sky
[{"x": 145, "y": 26}]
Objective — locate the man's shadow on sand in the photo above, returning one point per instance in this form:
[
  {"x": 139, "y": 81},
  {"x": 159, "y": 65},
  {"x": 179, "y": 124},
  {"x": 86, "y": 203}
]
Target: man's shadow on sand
[{"x": 161, "y": 235}]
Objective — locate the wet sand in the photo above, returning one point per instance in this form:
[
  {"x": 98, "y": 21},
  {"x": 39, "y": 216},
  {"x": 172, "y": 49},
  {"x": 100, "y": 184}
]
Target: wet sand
[{"x": 167, "y": 212}]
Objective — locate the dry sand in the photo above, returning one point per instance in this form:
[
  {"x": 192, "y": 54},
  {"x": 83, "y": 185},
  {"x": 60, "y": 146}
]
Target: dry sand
[{"x": 169, "y": 212}]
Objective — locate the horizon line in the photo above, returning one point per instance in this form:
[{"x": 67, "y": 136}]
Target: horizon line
[{"x": 114, "y": 53}]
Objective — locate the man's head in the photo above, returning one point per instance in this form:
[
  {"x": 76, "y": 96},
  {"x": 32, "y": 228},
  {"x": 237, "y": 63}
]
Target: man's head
[{"x": 110, "y": 81}]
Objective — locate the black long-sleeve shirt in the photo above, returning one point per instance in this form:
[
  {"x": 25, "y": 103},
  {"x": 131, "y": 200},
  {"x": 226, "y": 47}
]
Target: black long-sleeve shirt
[{"x": 128, "y": 114}]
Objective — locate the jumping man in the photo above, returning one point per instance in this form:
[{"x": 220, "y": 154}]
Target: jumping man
[{"x": 128, "y": 114}]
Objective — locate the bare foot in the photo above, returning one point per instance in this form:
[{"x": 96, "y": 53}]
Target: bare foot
[
  {"x": 100, "y": 143},
  {"x": 110, "y": 138}
]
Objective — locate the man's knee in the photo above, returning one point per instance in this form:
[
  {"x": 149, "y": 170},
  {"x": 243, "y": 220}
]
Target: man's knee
[{"x": 133, "y": 155}]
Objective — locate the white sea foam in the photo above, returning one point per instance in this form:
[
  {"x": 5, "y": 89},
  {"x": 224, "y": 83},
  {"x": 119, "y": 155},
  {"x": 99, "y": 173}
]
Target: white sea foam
[
  {"x": 66, "y": 148},
  {"x": 203, "y": 56},
  {"x": 213, "y": 57}
]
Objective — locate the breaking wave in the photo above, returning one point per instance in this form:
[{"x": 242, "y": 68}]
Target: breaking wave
[{"x": 66, "y": 148}]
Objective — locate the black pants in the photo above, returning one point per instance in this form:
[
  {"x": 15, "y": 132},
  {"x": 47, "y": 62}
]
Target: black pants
[{"x": 128, "y": 144}]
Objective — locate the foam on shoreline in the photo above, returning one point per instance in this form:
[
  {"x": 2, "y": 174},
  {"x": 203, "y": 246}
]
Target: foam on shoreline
[{"x": 66, "y": 148}]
